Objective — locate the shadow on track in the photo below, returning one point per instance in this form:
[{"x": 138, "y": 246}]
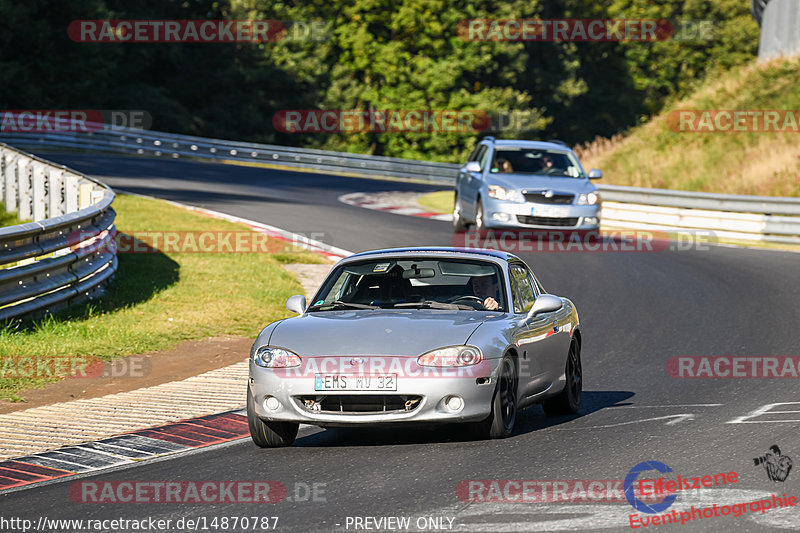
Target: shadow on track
[{"x": 528, "y": 421}]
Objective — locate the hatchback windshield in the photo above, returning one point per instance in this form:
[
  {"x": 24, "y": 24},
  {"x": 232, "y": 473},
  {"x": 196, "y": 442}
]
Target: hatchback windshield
[
  {"x": 414, "y": 284},
  {"x": 532, "y": 161}
]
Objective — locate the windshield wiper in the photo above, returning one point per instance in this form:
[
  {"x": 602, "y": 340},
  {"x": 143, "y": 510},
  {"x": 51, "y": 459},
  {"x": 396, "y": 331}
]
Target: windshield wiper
[
  {"x": 338, "y": 304},
  {"x": 432, "y": 304}
]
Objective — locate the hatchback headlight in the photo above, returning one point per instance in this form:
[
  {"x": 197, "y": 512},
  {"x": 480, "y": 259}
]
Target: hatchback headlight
[
  {"x": 509, "y": 195},
  {"x": 451, "y": 356},
  {"x": 275, "y": 358},
  {"x": 588, "y": 199}
]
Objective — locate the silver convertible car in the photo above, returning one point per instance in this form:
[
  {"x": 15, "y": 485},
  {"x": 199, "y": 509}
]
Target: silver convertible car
[{"x": 416, "y": 335}]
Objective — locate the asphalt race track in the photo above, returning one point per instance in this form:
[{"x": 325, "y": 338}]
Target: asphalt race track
[{"x": 637, "y": 310}]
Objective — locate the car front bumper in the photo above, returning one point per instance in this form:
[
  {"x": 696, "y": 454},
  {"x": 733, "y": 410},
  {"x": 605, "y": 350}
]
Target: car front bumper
[
  {"x": 292, "y": 388},
  {"x": 529, "y": 215}
]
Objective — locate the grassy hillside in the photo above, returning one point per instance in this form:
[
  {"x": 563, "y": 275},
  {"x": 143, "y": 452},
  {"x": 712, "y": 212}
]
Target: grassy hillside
[{"x": 761, "y": 163}]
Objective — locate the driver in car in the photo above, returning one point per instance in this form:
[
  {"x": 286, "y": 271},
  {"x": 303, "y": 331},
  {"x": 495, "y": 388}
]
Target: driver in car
[{"x": 485, "y": 288}]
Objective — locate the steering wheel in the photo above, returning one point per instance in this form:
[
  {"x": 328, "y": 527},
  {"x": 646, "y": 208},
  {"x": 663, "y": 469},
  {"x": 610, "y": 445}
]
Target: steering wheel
[
  {"x": 554, "y": 170},
  {"x": 471, "y": 299}
]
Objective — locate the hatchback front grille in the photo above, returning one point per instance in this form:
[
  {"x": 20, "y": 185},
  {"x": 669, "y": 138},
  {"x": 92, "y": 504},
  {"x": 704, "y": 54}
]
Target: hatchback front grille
[
  {"x": 358, "y": 403},
  {"x": 540, "y": 198},
  {"x": 547, "y": 221}
]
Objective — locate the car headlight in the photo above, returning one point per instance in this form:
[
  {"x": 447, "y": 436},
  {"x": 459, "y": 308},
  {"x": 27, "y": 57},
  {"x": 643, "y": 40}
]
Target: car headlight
[
  {"x": 275, "y": 358},
  {"x": 501, "y": 193},
  {"x": 451, "y": 356},
  {"x": 588, "y": 199}
]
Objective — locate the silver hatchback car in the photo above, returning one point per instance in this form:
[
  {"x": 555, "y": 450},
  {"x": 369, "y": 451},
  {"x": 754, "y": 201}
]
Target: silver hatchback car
[
  {"x": 403, "y": 336},
  {"x": 525, "y": 185}
]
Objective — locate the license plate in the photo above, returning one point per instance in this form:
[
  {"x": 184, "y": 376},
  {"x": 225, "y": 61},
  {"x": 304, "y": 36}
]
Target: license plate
[
  {"x": 347, "y": 382},
  {"x": 549, "y": 211}
]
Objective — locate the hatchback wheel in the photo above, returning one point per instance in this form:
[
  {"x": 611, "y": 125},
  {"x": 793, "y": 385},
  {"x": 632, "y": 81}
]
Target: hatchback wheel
[
  {"x": 458, "y": 221},
  {"x": 480, "y": 223}
]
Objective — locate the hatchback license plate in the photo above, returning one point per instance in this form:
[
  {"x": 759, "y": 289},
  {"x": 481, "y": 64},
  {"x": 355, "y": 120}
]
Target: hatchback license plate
[
  {"x": 549, "y": 211},
  {"x": 352, "y": 382}
]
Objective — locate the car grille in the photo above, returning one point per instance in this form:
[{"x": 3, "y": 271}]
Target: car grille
[
  {"x": 540, "y": 198},
  {"x": 547, "y": 221},
  {"x": 358, "y": 403}
]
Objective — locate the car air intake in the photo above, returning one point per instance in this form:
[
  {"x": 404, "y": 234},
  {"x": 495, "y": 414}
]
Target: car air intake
[
  {"x": 357, "y": 403},
  {"x": 547, "y": 221},
  {"x": 541, "y": 198}
]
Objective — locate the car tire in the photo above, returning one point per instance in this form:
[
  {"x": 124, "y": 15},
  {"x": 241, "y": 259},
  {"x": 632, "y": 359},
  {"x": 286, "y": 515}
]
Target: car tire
[
  {"x": 459, "y": 224},
  {"x": 568, "y": 400},
  {"x": 269, "y": 434},
  {"x": 480, "y": 222},
  {"x": 500, "y": 423}
]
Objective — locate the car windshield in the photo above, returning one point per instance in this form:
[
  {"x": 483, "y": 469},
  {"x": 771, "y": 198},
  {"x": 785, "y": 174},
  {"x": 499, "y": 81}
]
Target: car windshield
[
  {"x": 413, "y": 284},
  {"x": 533, "y": 161}
]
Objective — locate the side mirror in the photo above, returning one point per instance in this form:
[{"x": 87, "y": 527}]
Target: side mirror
[
  {"x": 595, "y": 174},
  {"x": 473, "y": 166},
  {"x": 545, "y": 303},
  {"x": 296, "y": 304}
]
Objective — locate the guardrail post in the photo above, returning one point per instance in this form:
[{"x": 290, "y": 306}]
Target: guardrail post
[
  {"x": 10, "y": 180},
  {"x": 39, "y": 200},
  {"x": 55, "y": 193},
  {"x": 71, "y": 193},
  {"x": 85, "y": 195},
  {"x": 2, "y": 175},
  {"x": 24, "y": 184}
]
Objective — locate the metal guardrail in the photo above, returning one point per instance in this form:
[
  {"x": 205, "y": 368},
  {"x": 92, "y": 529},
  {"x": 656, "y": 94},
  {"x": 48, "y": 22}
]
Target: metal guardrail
[
  {"x": 750, "y": 218},
  {"x": 173, "y": 145},
  {"x": 67, "y": 253}
]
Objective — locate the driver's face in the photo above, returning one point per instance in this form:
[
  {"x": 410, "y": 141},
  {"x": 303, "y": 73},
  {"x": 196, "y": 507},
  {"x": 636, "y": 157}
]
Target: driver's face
[{"x": 485, "y": 286}]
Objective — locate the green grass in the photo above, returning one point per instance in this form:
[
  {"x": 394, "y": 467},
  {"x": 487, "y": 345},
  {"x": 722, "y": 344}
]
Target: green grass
[
  {"x": 159, "y": 299},
  {"x": 8, "y": 219},
  {"x": 437, "y": 202},
  {"x": 760, "y": 163}
]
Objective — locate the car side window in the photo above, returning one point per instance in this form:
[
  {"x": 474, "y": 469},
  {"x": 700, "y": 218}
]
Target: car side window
[
  {"x": 481, "y": 155},
  {"x": 474, "y": 155},
  {"x": 523, "y": 292},
  {"x": 534, "y": 283},
  {"x": 483, "y": 158}
]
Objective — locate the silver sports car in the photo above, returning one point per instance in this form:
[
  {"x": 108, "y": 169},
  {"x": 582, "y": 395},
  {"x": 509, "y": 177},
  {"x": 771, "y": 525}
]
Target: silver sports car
[{"x": 416, "y": 335}]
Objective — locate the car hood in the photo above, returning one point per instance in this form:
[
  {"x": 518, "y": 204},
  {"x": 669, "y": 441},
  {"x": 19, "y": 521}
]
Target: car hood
[
  {"x": 376, "y": 332},
  {"x": 533, "y": 182}
]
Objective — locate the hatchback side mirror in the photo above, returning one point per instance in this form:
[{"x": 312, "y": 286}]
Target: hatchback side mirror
[
  {"x": 595, "y": 174},
  {"x": 545, "y": 303},
  {"x": 296, "y": 304},
  {"x": 473, "y": 166}
]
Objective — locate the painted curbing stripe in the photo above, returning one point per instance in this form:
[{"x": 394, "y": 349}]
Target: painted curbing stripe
[
  {"x": 369, "y": 201},
  {"x": 129, "y": 448},
  {"x": 143, "y": 444}
]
